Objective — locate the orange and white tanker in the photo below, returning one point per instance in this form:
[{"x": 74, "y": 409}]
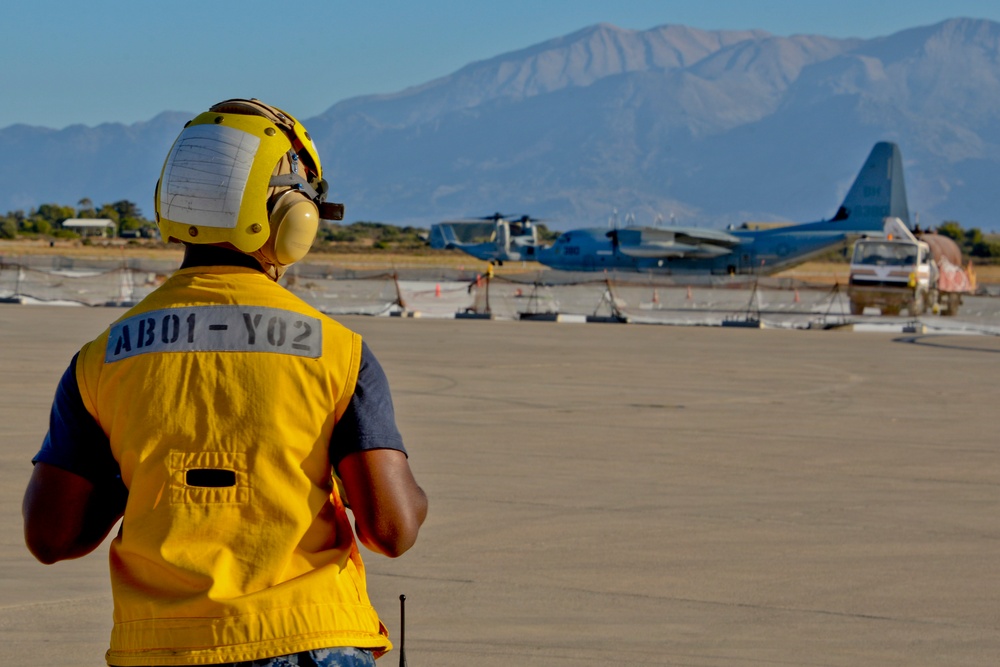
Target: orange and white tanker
[{"x": 905, "y": 271}]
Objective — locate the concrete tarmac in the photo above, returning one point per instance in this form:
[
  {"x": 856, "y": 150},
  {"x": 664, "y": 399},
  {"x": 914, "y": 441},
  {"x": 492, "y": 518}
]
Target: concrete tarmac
[{"x": 626, "y": 495}]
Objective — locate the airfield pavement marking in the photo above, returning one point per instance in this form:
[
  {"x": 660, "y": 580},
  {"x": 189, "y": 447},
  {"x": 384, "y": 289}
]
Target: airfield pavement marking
[{"x": 638, "y": 495}]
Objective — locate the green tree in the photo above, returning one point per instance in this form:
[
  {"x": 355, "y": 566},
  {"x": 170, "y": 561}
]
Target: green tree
[
  {"x": 972, "y": 242},
  {"x": 546, "y": 235},
  {"x": 129, "y": 216},
  {"x": 54, "y": 214},
  {"x": 8, "y": 229},
  {"x": 952, "y": 230},
  {"x": 985, "y": 249},
  {"x": 127, "y": 209},
  {"x": 973, "y": 237},
  {"x": 85, "y": 208},
  {"x": 107, "y": 211}
]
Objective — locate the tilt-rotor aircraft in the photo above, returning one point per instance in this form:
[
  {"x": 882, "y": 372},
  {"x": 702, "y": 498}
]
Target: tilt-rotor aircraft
[
  {"x": 495, "y": 238},
  {"x": 878, "y": 192}
]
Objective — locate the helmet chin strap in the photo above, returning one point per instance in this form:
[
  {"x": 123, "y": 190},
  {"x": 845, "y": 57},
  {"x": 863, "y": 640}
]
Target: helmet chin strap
[{"x": 270, "y": 269}]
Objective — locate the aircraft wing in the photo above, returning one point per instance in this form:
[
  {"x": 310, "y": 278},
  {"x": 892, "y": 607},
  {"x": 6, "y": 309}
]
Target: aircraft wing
[{"x": 658, "y": 242}]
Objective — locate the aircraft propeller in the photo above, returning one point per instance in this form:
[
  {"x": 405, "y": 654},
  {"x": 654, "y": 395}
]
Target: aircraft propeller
[
  {"x": 498, "y": 216},
  {"x": 613, "y": 235},
  {"x": 527, "y": 219}
]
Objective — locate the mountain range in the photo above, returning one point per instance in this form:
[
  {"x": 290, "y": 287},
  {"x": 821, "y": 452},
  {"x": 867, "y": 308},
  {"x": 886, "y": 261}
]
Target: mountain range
[{"x": 673, "y": 123}]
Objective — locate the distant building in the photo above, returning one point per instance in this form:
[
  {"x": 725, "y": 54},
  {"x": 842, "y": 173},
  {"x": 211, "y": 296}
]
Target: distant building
[{"x": 90, "y": 226}]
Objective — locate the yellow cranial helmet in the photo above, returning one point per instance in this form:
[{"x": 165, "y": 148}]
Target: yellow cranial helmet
[{"x": 247, "y": 176}]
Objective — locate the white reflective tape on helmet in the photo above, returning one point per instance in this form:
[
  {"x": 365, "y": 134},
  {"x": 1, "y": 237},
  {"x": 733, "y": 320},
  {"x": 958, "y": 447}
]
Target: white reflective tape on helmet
[{"x": 206, "y": 176}]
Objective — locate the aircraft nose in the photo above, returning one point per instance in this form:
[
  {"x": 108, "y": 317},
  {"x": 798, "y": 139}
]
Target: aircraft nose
[{"x": 547, "y": 255}]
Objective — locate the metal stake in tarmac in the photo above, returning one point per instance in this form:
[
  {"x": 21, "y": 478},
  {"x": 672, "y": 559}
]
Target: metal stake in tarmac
[
  {"x": 402, "y": 631},
  {"x": 399, "y": 292}
]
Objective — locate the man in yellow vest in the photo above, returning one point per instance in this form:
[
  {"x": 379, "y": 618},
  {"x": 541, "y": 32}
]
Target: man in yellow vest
[{"x": 229, "y": 425}]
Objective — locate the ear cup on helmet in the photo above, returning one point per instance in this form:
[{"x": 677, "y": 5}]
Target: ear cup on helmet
[{"x": 294, "y": 222}]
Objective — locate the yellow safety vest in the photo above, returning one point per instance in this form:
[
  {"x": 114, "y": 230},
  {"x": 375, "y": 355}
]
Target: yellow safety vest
[{"x": 219, "y": 393}]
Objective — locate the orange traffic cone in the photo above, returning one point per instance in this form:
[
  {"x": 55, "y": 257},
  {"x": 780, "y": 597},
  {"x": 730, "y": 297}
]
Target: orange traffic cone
[
  {"x": 689, "y": 294},
  {"x": 437, "y": 290},
  {"x": 797, "y": 299},
  {"x": 656, "y": 296}
]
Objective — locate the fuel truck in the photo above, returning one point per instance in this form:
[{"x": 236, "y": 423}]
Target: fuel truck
[{"x": 903, "y": 271}]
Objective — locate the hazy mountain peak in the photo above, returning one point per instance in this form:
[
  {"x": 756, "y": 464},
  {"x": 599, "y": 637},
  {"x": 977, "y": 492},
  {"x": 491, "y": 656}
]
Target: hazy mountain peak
[
  {"x": 709, "y": 126},
  {"x": 576, "y": 60}
]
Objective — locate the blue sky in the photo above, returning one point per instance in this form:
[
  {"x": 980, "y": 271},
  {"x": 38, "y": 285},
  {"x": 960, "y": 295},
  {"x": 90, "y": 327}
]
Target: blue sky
[{"x": 67, "y": 62}]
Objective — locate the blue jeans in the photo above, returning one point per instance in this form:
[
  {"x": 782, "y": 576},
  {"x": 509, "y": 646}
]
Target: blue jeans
[
  {"x": 320, "y": 657},
  {"x": 342, "y": 656}
]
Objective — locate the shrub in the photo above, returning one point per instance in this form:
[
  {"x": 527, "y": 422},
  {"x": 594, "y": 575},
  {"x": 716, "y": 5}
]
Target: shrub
[{"x": 8, "y": 229}]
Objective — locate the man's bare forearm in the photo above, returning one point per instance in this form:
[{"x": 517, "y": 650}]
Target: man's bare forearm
[{"x": 65, "y": 515}]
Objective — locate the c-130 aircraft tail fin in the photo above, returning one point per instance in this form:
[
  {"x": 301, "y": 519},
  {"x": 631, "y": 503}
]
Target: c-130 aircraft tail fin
[{"x": 878, "y": 192}]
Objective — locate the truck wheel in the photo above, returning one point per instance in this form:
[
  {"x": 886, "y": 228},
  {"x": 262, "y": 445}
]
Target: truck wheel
[
  {"x": 917, "y": 305},
  {"x": 951, "y": 302}
]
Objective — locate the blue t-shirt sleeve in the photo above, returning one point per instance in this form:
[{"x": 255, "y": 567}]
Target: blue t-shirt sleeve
[
  {"x": 369, "y": 421},
  {"x": 75, "y": 441}
]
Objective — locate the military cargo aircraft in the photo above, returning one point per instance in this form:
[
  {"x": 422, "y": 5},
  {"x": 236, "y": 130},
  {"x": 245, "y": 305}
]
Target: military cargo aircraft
[{"x": 878, "y": 192}]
